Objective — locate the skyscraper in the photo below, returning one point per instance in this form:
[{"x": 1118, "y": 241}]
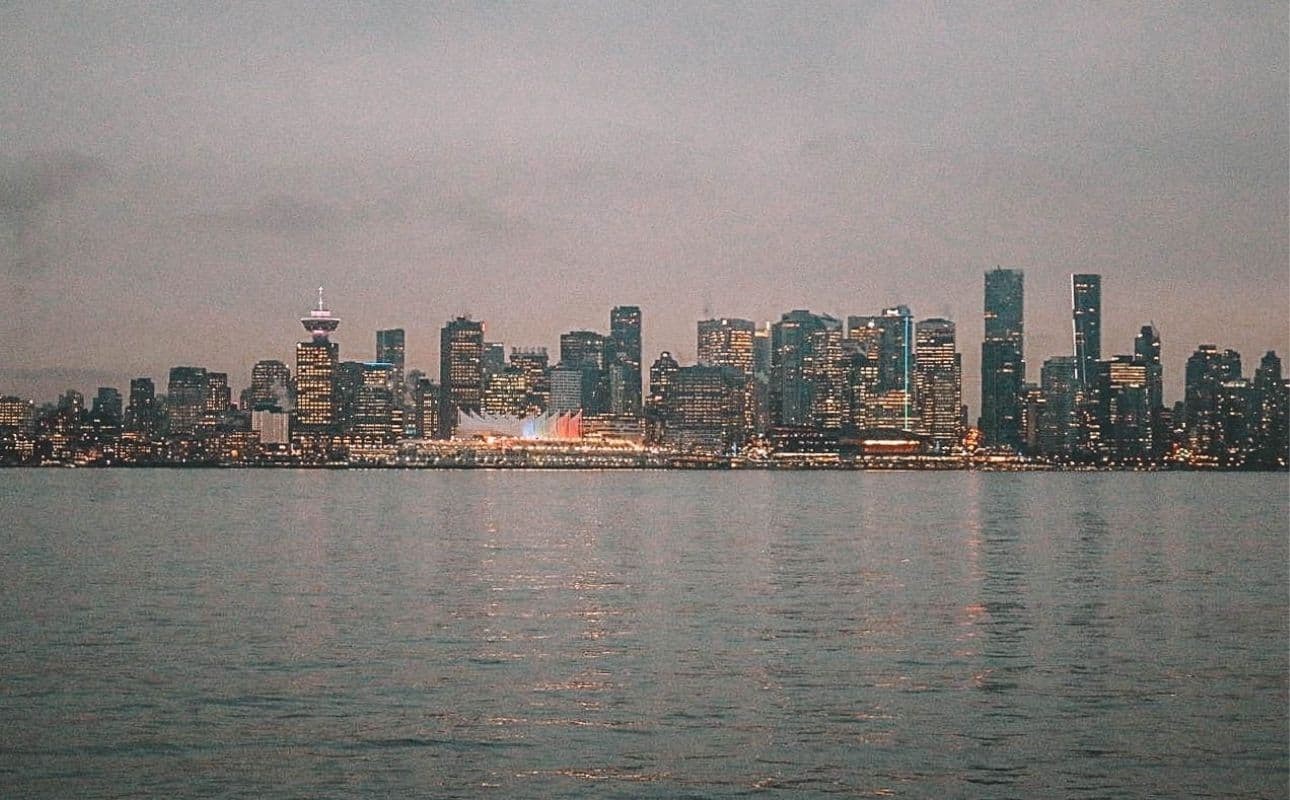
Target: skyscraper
[
  {"x": 587, "y": 350},
  {"x": 938, "y": 380},
  {"x": 270, "y": 385},
  {"x": 1121, "y": 416},
  {"x": 1146, "y": 348},
  {"x": 1086, "y": 311},
  {"x": 537, "y": 376},
  {"x": 625, "y": 360},
  {"x": 726, "y": 342},
  {"x": 185, "y": 399},
  {"x": 1059, "y": 432},
  {"x": 793, "y": 367},
  {"x": 316, "y": 362},
  {"x": 1003, "y": 366},
  {"x": 705, "y": 408},
  {"x": 1207, "y": 370},
  {"x": 461, "y": 371},
  {"x": 1272, "y": 407},
  {"x": 390, "y": 349},
  {"x": 143, "y": 414}
]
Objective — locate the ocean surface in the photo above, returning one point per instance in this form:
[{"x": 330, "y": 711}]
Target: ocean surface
[{"x": 275, "y": 633}]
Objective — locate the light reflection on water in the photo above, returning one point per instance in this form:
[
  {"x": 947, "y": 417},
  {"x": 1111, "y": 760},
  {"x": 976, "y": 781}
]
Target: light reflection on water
[{"x": 643, "y": 634}]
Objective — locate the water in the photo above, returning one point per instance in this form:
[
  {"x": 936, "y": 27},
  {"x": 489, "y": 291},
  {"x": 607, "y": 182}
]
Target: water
[{"x": 642, "y": 634}]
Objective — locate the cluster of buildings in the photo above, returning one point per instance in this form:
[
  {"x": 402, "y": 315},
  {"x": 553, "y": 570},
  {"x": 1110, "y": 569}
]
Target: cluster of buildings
[{"x": 807, "y": 389}]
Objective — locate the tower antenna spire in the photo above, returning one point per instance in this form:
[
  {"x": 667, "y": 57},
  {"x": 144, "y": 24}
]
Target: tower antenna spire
[{"x": 321, "y": 307}]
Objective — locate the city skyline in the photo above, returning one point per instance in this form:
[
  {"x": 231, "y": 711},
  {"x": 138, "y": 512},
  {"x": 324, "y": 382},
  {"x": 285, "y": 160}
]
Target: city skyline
[
  {"x": 692, "y": 355},
  {"x": 743, "y": 161}
]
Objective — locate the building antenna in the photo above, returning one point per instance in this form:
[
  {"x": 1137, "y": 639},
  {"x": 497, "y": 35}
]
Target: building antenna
[{"x": 321, "y": 307}]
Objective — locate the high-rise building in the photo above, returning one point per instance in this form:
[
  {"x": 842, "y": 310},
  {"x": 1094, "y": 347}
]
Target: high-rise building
[
  {"x": 938, "y": 382},
  {"x": 316, "y": 362},
  {"x": 17, "y": 416},
  {"x": 658, "y": 404},
  {"x": 535, "y": 364},
  {"x": 270, "y": 385},
  {"x": 1121, "y": 415},
  {"x": 494, "y": 359},
  {"x": 143, "y": 415},
  {"x": 625, "y": 360},
  {"x": 726, "y": 342},
  {"x": 1086, "y": 310},
  {"x": 573, "y": 387},
  {"x": 107, "y": 402},
  {"x": 373, "y": 415},
  {"x": 588, "y": 350},
  {"x": 886, "y": 391},
  {"x": 731, "y": 343},
  {"x": 507, "y": 393},
  {"x": 705, "y": 408},
  {"x": 391, "y": 349},
  {"x": 1003, "y": 366},
  {"x": 1146, "y": 348},
  {"x": 1272, "y": 409},
  {"x": 219, "y": 396},
  {"x": 347, "y": 383},
  {"x": 794, "y": 368},
  {"x": 1207, "y": 370},
  {"x": 461, "y": 371},
  {"x": 1059, "y": 425},
  {"x": 186, "y": 394},
  {"x": 427, "y": 408}
]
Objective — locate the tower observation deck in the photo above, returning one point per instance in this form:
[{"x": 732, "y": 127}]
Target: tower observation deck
[{"x": 320, "y": 322}]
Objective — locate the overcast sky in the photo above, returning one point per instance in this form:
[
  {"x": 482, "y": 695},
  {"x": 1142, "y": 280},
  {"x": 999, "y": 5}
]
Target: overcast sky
[{"x": 175, "y": 181}]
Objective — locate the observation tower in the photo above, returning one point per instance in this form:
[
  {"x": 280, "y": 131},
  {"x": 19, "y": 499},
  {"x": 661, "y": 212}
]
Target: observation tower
[{"x": 320, "y": 322}]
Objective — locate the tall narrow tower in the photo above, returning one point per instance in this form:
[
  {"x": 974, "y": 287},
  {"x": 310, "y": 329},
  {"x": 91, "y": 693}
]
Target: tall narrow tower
[
  {"x": 1086, "y": 315},
  {"x": 316, "y": 370},
  {"x": 1003, "y": 366}
]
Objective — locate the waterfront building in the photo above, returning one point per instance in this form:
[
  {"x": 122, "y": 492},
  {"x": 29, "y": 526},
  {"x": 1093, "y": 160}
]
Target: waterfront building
[
  {"x": 587, "y": 350},
  {"x": 507, "y": 393},
  {"x": 372, "y": 419},
  {"x": 461, "y": 371},
  {"x": 574, "y": 387},
  {"x": 1003, "y": 366},
  {"x": 144, "y": 415},
  {"x": 657, "y": 408},
  {"x": 1120, "y": 422},
  {"x": 1086, "y": 314},
  {"x": 793, "y": 367},
  {"x": 391, "y": 348},
  {"x": 186, "y": 398},
  {"x": 705, "y": 409},
  {"x": 494, "y": 359},
  {"x": 107, "y": 403},
  {"x": 534, "y": 362},
  {"x": 625, "y": 361},
  {"x": 428, "y": 403},
  {"x": 726, "y": 342},
  {"x": 1206, "y": 370},
  {"x": 219, "y": 397},
  {"x": 272, "y": 424},
  {"x": 1272, "y": 412},
  {"x": 826, "y": 369},
  {"x": 1059, "y": 424},
  {"x": 938, "y": 381},
  {"x": 270, "y": 385},
  {"x": 316, "y": 362},
  {"x": 17, "y": 416}
]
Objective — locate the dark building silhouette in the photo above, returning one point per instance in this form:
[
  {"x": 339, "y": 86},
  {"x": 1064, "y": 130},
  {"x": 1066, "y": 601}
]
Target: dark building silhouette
[
  {"x": 1086, "y": 312},
  {"x": 461, "y": 371},
  {"x": 1003, "y": 366},
  {"x": 625, "y": 361}
]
